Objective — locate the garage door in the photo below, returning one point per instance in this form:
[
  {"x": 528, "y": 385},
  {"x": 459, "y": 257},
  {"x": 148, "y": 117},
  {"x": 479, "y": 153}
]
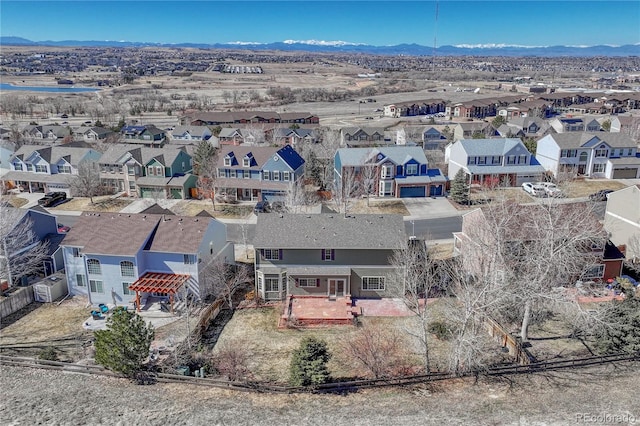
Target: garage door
[
  {"x": 412, "y": 191},
  {"x": 435, "y": 190},
  {"x": 148, "y": 193},
  {"x": 627, "y": 173}
]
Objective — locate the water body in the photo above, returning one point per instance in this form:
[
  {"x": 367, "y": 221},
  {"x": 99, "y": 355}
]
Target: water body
[{"x": 5, "y": 86}]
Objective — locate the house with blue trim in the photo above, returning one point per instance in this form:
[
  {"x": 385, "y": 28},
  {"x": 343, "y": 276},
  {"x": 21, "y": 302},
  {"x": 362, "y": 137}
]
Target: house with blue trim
[
  {"x": 116, "y": 258},
  {"x": 503, "y": 161},
  {"x": 394, "y": 171},
  {"x": 147, "y": 135},
  {"x": 257, "y": 173}
]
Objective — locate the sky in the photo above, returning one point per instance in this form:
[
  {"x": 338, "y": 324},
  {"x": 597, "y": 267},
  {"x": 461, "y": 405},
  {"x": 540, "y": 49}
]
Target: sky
[{"x": 380, "y": 23}]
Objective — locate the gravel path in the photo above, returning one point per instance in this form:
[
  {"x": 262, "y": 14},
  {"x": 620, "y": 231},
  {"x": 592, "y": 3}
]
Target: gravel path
[{"x": 31, "y": 396}]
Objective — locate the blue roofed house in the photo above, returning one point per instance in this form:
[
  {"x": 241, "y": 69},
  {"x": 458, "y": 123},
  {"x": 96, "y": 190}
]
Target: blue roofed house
[
  {"x": 597, "y": 155},
  {"x": 326, "y": 255},
  {"x": 503, "y": 161},
  {"x": 116, "y": 258},
  {"x": 257, "y": 173},
  {"x": 394, "y": 171},
  {"x": 37, "y": 168}
]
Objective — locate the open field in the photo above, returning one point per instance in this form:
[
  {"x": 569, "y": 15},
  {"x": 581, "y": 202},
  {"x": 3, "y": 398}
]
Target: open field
[{"x": 558, "y": 398}]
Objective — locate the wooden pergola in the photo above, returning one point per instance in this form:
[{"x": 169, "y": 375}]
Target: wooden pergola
[{"x": 158, "y": 282}]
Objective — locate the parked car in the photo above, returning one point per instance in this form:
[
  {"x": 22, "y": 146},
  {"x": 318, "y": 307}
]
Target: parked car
[
  {"x": 600, "y": 195},
  {"x": 534, "y": 189},
  {"x": 551, "y": 189},
  {"x": 63, "y": 229},
  {"x": 52, "y": 198},
  {"x": 262, "y": 207}
]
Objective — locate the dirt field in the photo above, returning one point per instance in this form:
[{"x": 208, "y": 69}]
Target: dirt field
[{"x": 560, "y": 398}]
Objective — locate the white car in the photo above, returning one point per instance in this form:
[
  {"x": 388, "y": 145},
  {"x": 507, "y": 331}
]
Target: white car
[
  {"x": 550, "y": 189},
  {"x": 534, "y": 189}
]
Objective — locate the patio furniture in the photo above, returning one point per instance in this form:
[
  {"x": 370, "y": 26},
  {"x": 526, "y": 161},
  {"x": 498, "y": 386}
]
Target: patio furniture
[{"x": 97, "y": 315}]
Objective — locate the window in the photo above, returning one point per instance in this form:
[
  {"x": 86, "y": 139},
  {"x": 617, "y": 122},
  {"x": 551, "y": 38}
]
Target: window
[
  {"x": 64, "y": 169},
  {"x": 307, "y": 282},
  {"x": 95, "y": 286},
  {"x": 159, "y": 171},
  {"x": 93, "y": 266},
  {"x": 271, "y": 254},
  {"x": 265, "y": 175},
  {"x": 126, "y": 268},
  {"x": 227, "y": 161},
  {"x": 189, "y": 259},
  {"x": 496, "y": 159},
  {"x": 132, "y": 185},
  {"x": 240, "y": 174},
  {"x": 41, "y": 168},
  {"x": 232, "y": 173},
  {"x": 522, "y": 159},
  {"x": 272, "y": 283},
  {"x": 583, "y": 157},
  {"x": 566, "y": 153},
  {"x": 80, "y": 282},
  {"x": 17, "y": 166},
  {"x": 598, "y": 168},
  {"x": 276, "y": 175},
  {"x": 246, "y": 162},
  {"x": 602, "y": 152},
  {"x": 75, "y": 251},
  {"x": 328, "y": 254},
  {"x": 247, "y": 174},
  {"x": 260, "y": 283},
  {"x": 285, "y": 176},
  {"x": 387, "y": 171},
  {"x": 511, "y": 159},
  {"x": 131, "y": 170},
  {"x": 412, "y": 169},
  {"x": 125, "y": 289},
  {"x": 595, "y": 271},
  {"x": 373, "y": 283},
  {"x": 472, "y": 160},
  {"x": 221, "y": 173}
]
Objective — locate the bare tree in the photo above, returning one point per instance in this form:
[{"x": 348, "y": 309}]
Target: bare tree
[
  {"x": 22, "y": 253},
  {"x": 207, "y": 174},
  {"x": 378, "y": 350},
  {"x": 345, "y": 188},
  {"x": 87, "y": 182},
  {"x": 296, "y": 196},
  {"x": 222, "y": 280},
  {"x": 232, "y": 361}
]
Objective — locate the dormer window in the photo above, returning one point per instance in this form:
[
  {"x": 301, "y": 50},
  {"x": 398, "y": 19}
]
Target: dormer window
[
  {"x": 412, "y": 169},
  {"x": 246, "y": 162},
  {"x": 227, "y": 160}
]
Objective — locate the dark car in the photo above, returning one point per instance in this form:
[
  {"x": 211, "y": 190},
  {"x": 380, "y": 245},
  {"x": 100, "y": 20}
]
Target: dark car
[
  {"x": 600, "y": 195},
  {"x": 52, "y": 198},
  {"x": 262, "y": 207}
]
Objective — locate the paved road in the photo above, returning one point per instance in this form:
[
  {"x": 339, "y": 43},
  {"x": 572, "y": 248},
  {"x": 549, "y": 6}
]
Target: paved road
[{"x": 441, "y": 228}]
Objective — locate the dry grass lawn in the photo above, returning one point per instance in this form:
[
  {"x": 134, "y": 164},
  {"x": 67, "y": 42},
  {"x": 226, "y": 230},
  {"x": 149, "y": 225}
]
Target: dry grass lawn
[
  {"x": 100, "y": 204},
  {"x": 379, "y": 207},
  {"x": 15, "y": 200},
  {"x": 193, "y": 207},
  {"x": 585, "y": 187}
]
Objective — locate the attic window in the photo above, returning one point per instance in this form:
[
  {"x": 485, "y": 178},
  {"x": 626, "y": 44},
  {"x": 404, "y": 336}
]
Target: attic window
[
  {"x": 246, "y": 162},
  {"x": 227, "y": 160}
]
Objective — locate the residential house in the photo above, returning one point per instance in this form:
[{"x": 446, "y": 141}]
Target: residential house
[
  {"x": 575, "y": 124},
  {"x": 413, "y": 108},
  {"x": 148, "y": 172},
  {"x": 238, "y": 136},
  {"x": 211, "y": 118},
  {"x": 622, "y": 220},
  {"x": 434, "y": 137},
  {"x": 287, "y": 136},
  {"x": 257, "y": 173},
  {"x": 394, "y": 171},
  {"x": 109, "y": 257},
  {"x": 468, "y": 130},
  {"x": 37, "y": 168},
  {"x": 477, "y": 241},
  {"x": 326, "y": 255},
  {"x": 92, "y": 134},
  {"x": 477, "y": 108},
  {"x": 528, "y": 127},
  {"x": 599, "y": 155},
  {"x": 147, "y": 135},
  {"x": 39, "y": 226},
  {"x": 51, "y": 133},
  {"x": 363, "y": 136},
  {"x": 6, "y": 152},
  {"x": 493, "y": 161},
  {"x": 191, "y": 134}
]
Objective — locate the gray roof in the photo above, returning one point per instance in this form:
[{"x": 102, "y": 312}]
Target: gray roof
[
  {"x": 116, "y": 151},
  {"x": 193, "y": 130},
  {"x": 397, "y": 154},
  {"x": 500, "y": 146},
  {"x": 578, "y": 139},
  {"x": 53, "y": 154},
  {"x": 334, "y": 231}
]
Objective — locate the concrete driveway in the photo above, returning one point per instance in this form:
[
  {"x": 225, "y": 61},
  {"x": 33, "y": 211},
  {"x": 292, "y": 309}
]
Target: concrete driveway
[{"x": 429, "y": 208}]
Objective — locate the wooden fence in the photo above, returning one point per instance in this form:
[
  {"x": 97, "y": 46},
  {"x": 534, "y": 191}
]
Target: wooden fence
[
  {"x": 508, "y": 341},
  {"x": 17, "y": 300}
]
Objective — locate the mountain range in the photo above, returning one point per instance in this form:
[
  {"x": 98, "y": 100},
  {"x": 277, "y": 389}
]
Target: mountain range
[{"x": 345, "y": 47}]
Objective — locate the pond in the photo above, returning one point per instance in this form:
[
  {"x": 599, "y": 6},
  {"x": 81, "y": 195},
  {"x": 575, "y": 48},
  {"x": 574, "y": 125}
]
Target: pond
[{"x": 71, "y": 89}]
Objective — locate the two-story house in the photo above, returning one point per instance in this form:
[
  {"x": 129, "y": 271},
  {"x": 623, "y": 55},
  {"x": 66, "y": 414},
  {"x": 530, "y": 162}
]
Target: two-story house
[
  {"x": 91, "y": 134},
  {"x": 257, "y": 173},
  {"x": 362, "y": 136},
  {"x": 116, "y": 258},
  {"x": 622, "y": 220},
  {"x": 434, "y": 137},
  {"x": 473, "y": 129},
  {"x": 36, "y": 168},
  {"x": 526, "y": 127},
  {"x": 599, "y": 155},
  {"x": 504, "y": 161},
  {"x": 394, "y": 171},
  {"x": 326, "y": 255},
  {"x": 192, "y": 134},
  {"x": 47, "y": 133},
  {"x": 147, "y": 135},
  {"x": 287, "y": 136}
]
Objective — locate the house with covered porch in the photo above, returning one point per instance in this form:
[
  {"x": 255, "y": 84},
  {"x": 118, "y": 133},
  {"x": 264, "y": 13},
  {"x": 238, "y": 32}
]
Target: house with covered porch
[
  {"x": 330, "y": 256},
  {"x": 116, "y": 258}
]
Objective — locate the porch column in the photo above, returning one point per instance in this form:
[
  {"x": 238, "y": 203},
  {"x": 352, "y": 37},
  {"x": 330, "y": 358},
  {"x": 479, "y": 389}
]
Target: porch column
[
  {"x": 137, "y": 301},
  {"x": 171, "y": 301}
]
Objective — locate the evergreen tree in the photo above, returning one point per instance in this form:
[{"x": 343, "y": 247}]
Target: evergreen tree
[
  {"x": 460, "y": 188},
  {"x": 623, "y": 334},
  {"x": 204, "y": 153},
  {"x": 309, "y": 363},
  {"x": 124, "y": 345}
]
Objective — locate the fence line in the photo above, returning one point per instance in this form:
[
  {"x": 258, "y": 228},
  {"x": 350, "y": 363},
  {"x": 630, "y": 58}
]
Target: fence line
[{"x": 17, "y": 300}]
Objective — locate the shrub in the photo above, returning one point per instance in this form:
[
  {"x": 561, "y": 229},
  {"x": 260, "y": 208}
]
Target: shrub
[
  {"x": 441, "y": 330},
  {"x": 309, "y": 363},
  {"x": 49, "y": 354}
]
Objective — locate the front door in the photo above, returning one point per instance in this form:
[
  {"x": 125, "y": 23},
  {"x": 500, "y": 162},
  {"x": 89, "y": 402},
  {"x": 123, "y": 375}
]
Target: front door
[{"x": 336, "y": 287}]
